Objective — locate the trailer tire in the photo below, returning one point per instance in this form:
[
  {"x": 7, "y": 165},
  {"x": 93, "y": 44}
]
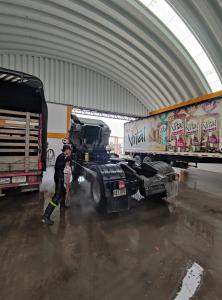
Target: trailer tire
[
  {"x": 147, "y": 159},
  {"x": 98, "y": 194}
]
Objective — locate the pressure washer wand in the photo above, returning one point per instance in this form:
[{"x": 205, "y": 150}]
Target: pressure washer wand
[{"x": 92, "y": 173}]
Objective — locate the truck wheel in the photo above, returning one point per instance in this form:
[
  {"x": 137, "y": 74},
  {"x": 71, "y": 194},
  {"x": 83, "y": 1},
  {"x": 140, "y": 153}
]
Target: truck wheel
[
  {"x": 98, "y": 194},
  {"x": 147, "y": 159},
  {"x": 138, "y": 160}
]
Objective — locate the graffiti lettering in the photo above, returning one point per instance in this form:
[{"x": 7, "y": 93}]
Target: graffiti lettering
[
  {"x": 137, "y": 138},
  {"x": 163, "y": 129},
  {"x": 177, "y": 126},
  {"x": 210, "y": 124},
  {"x": 192, "y": 127}
]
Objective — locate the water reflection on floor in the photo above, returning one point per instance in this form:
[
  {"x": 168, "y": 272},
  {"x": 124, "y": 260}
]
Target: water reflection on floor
[{"x": 144, "y": 253}]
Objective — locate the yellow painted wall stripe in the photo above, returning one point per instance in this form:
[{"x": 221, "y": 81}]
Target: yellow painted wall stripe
[
  {"x": 56, "y": 135},
  {"x": 188, "y": 102}
]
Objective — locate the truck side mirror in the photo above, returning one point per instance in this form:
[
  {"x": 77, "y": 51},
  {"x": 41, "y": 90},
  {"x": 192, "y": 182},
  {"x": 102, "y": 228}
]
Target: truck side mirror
[{"x": 65, "y": 141}]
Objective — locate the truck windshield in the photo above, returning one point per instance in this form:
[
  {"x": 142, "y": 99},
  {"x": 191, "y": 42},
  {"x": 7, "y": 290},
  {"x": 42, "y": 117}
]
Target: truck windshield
[{"x": 91, "y": 134}]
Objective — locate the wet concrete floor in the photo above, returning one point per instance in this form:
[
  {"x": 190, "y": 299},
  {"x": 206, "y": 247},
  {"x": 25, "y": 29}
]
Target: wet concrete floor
[{"x": 140, "y": 254}]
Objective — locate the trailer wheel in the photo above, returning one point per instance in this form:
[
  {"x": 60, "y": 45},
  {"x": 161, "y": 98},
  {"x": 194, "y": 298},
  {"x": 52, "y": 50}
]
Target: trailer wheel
[
  {"x": 147, "y": 159},
  {"x": 98, "y": 194}
]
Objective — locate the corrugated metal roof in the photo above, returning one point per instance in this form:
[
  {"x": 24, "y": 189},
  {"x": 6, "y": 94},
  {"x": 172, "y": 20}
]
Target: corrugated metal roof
[
  {"x": 117, "y": 51},
  {"x": 67, "y": 83},
  {"x": 204, "y": 18}
]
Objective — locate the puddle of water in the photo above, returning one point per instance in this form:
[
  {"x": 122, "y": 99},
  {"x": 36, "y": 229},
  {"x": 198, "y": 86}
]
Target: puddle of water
[{"x": 190, "y": 282}]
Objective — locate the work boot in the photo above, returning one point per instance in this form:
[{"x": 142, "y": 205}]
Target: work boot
[
  {"x": 47, "y": 221},
  {"x": 46, "y": 217}
]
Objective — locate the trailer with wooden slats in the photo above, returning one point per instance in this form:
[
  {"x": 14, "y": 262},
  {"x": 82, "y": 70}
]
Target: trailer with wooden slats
[{"x": 23, "y": 130}]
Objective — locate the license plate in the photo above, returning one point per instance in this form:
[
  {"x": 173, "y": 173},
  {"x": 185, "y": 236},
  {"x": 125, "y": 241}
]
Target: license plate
[
  {"x": 4, "y": 180},
  {"x": 19, "y": 179},
  {"x": 118, "y": 193}
]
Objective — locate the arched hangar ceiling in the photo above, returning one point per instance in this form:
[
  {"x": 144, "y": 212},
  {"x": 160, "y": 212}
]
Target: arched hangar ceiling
[
  {"x": 204, "y": 18},
  {"x": 121, "y": 40}
]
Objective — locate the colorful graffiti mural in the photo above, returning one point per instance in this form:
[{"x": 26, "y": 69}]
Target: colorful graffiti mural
[{"x": 196, "y": 128}]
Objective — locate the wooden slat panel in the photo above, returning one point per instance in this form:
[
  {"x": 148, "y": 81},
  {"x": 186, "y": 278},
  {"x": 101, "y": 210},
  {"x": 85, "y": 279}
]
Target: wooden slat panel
[
  {"x": 34, "y": 158},
  {"x": 5, "y": 125},
  {"x": 17, "y": 138},
  {"x": 19, "y": 119},
  {"x": 12, "y": 150},
  {"x": 16, "y": 131},
  {"x": 33, "y": 138},
  {"x": 11, "y": 159},
  {"x": 17, "y": 163},
  {"x": 12, "y": 112},
  {"x": 23, "y": 126},
  {"x": 16, "y": 150},
  {"x": 12, "y": 167},
  {"x": 19, "y": 113},
  {"x": 33, "y": 166},
  {"x": 18, "y": 167},
  {"x": 34, "y": 132},
  {"x": 12, "y": 137},
  {"x": 3, "y": 144},
  {"x": 17, "y": 159},
  {"x": 34, "y": 115},
  {"x": 34, "y": 120},
  {"x": 27, "y": 135}
]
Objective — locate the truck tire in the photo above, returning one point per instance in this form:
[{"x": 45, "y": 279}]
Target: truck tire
[
  {"x": 147, "y": 159},
  {"x": 138, "y": 160},
  {"x": 76, "y": 173},
  {"x": 98, "y": 194}
]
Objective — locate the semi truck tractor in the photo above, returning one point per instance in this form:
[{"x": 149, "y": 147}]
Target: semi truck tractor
[
  {"x": 187, "y": 133},
  {"x": 23, "y": 131},
  {"x": 115, "y": 181}
]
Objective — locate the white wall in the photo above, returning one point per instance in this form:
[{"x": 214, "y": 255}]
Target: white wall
[
  {"x": 56, "y": 145},
  {"x": 57, "y": 118},
  {"x": 57, "y": 126}
]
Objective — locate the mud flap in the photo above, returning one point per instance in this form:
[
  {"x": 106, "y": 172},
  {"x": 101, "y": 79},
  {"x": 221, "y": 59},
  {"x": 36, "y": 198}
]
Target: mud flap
[
  {"x": 110, "y": 175},
  {"x": 117, "y": 204}
]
